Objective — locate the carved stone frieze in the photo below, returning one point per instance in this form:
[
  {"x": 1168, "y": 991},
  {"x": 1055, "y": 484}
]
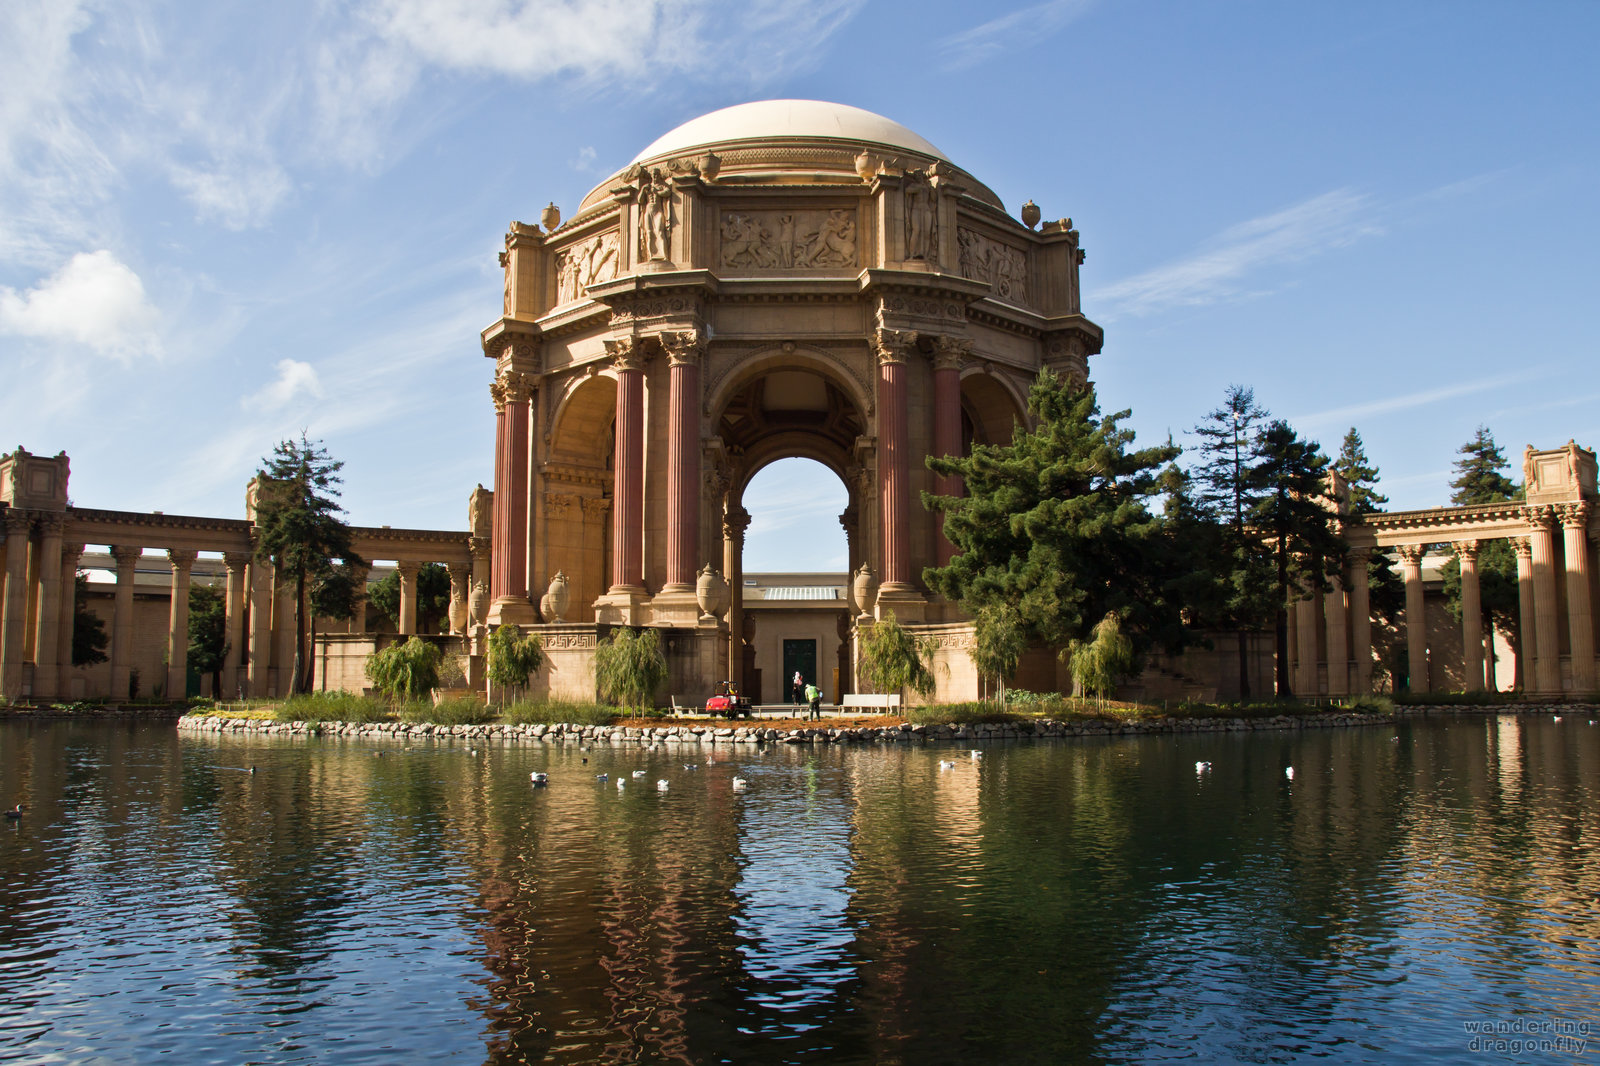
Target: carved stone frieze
[
  {"x": 558, "y": 505},
  {"x": 585, "y": 264},
  {"x": 625, "y": 311},
  {"x": 984, "y": 259},
  {"x": 789, "y": 240},
  {"x": 562, "y": 641}
]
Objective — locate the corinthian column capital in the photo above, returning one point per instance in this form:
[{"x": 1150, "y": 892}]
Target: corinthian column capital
[
  {"x": 950, "y": 352},
  {"x": 625, "y": 353},
  {"x": 1573, "y": 515},
  {"x": 893, "y": 345},
  {"x": 684, "y": 348}
]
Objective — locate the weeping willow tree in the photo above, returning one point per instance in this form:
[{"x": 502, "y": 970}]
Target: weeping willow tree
[
  {"x": 405, "y": 671},
  {"x": 513, "y": 658},
  {"x": 629, "y": 667},
  {"x": 894, "y": 659},
  {"x": 1098, "y": 664}
]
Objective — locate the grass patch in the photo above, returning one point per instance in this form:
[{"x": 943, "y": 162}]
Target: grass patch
[
  {"x": 333, "y": 707},
  {"x": 459, "y": 710},
  {"x": 1456, "y": 699},
  {"x": 528, "y": 712}
]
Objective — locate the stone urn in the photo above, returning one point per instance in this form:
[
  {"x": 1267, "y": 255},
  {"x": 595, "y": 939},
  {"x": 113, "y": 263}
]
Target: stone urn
[
  {"x": 478, "y": 603},
  {"x": 865, "y": 587},
  {"x": 556, "y": 599},
  {"x": 711, "y": 593},
  {"x": 458, "y": 614},
  {"x": 550, "y": 217},
  {"x": 1030, "y": 214}
]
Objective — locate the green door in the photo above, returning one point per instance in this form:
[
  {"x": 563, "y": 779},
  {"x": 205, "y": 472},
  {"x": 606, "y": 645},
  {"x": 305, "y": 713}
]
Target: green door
[{"x": 798, "y": 655}]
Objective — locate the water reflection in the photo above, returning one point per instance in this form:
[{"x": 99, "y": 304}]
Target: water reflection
[{"x": 1095, "y": 901}]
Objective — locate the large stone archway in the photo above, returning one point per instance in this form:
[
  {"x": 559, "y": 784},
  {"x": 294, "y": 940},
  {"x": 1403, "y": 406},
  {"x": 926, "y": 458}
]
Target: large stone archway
[{"x": 833, "y": 288}]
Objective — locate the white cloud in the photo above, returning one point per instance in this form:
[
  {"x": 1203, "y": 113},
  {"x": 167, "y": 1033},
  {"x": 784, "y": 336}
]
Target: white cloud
[
  {"x": 584, "y": 163},
  {"x": 1356, "y": 412},
  {"x": 95, "y": 300},
  {"x": 1332, "y": 220},
  {"x": 238, "y": 196},
  {"x": 294, "y": 379},
  {"x": 1030, "y": 25}
]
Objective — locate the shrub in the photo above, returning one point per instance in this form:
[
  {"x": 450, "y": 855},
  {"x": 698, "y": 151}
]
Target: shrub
[
  {"x": 894, "y": 659},
  {"x": 527, "y": 712},
  {"x": 1100, "y": 663},
  {"x": 331, "y": 707},
  {"x": 405, "y": 670},
  {"x": 513, "y": 658},
  {"x": 629, "y": 667},
  {"x": 458, "y": 711}
]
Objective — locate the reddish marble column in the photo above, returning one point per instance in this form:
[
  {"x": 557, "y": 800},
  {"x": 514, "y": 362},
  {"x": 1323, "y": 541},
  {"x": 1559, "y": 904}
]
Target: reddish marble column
[
  {"x": 683, "y": 458},
  {"x": 1580, "y": 622},
  {"x": 1471, "y": 617},
  {"x": 627, "y": 526},
  {"x": 946, "y": 426},
  {"x": 47, "y": 668},
  {"x": 1547, "y": 655},
  {"x": 1527, "y": 617},
  {"x": 894, "y": 468},
  {"x": 1416, "y": 618},
  {"x": 508, "y": 576}
]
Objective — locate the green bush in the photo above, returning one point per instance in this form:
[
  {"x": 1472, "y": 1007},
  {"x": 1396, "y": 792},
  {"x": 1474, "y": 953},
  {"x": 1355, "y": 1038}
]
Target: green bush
[
  {"x": 458, "y": 711},
  {"x": 332, "y": 707},
  {"x": 408, "y": 670},
  {"x": 528, "y": 712},
  {"x": 894, "y": 659},
  {"x": 513, "y": 658},
  {"x": 629, "y": 667},
  {"x": 1369, "y": 704}
]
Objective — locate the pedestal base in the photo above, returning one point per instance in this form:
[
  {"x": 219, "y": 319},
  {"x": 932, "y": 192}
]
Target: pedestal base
[
  {"x": 676, "y": 607},
  {"x": 903, "y": 601},
  {"x": 512, "y": 610},
  {"x": 622, "y": 605}
]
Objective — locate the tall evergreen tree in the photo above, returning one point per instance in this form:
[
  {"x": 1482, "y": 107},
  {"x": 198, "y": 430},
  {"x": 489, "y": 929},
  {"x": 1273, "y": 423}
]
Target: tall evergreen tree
[
  {"x": 1360, "y": 476},
  {"x": 89, "y": 637},
  {"x": 1227, "y": 492},
  {"x": 208, "y": 634},
  {"x": 299, "y": 529},
  {"x": 1053, "y": 533},
  {"x": 1478, "y": 478},
  {"x": 1299, "y": 521}
]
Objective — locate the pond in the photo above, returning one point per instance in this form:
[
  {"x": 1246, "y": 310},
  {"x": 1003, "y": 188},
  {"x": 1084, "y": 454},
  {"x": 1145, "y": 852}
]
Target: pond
[{"x": 1417, "y": 893}]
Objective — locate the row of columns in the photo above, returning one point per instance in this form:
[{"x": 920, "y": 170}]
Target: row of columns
[{"x": 1345, "y": 650}]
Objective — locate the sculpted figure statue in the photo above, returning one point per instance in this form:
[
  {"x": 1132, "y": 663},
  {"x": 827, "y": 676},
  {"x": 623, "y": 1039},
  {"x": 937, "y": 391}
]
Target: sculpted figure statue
[
  {"x": 480, "y": 512},
  {"x": 655, "y": 196},
  {"x": 919, "y": 216}
]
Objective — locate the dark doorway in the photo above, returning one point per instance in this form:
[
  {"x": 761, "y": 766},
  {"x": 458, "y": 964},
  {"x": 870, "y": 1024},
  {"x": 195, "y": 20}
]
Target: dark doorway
[{"x": 801, "y": 656}]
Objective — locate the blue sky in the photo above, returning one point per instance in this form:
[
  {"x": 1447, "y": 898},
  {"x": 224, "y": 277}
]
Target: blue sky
[{"x": 223, "y": 223}]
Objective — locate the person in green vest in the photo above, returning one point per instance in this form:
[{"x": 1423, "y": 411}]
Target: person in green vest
[{"x": 814, "y": 697}]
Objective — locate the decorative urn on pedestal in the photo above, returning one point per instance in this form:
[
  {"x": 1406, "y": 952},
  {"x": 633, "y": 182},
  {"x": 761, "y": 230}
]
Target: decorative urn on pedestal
[
  {"x": 478, "y": 603},
  {"x": 865, "y": 586},
  {"x": 711, "y": 593},
  {"x": 556, "y": 599},
  {"x": 550, "y": 217},
  {"x": 1030, "y": 214}
]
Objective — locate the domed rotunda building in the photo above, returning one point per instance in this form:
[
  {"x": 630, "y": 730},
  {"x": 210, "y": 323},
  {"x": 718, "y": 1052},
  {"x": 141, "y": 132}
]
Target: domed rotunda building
[{"x": 787, "y": 278}]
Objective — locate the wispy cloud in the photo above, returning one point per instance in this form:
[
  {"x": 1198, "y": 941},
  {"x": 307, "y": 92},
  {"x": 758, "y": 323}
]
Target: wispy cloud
[
  {"x": 95, "y": 301},
  {"x": 1220, "y": 271},
  {"x": 295, "y": 378},
  {"x": 1349, "y": 415},
  {"x": 1029, "y": 25}
]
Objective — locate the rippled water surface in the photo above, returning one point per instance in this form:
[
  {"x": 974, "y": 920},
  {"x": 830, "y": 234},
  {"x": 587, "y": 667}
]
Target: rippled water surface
[{"x": 1077, "y": 901}]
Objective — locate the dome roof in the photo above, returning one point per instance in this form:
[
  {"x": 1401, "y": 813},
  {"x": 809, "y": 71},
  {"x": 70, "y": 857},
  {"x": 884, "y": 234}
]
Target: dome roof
[{"x": 770, "y": 119}]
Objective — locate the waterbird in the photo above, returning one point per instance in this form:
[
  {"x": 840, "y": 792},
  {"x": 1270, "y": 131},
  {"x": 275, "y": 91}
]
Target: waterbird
[
  {"x": 691, "y": 766},
  {"x": 739, "y": 783},
  {"x": 661, "y": 785},
  {"x": 539, "y": 779},
  {"x": 947, "y": 764},
  {"x": 15, "y": 812},
  {"x": 1202, "y": 768},
  {"x": 976, "y": 754},
  {"x": 638, "y": 773},
  {"x": 602, "y": 777},
  {"x": 621, "y": 784},
  {"x": 1558, "y": 718},
  {"x": 1288, "y": 771}
]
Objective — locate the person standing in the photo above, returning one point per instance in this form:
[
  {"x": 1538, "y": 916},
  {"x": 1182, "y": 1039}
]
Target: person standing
[
  {"x": 814, "y": 697},
  {"x": 797, "y": 687}
]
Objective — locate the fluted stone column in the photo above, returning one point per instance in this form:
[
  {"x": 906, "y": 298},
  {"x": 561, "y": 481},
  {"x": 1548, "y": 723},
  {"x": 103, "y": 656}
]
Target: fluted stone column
[
  {"x": 260, "y": 667},
  {"x": 1305, "y": 676},
  {"x": 1527, "y": 616},
  {"x": 734, "y": 523},
  {"x": 508, "y": 582},
  {"x": 122, "y": 620},
  {"x": 233, "y": 622},
  {"x": 683, "y": 458},
  {"x": 47, "y": 669},
  {"x": 408, "y": 596},
  {"x": 1334, "y": 617},
  {"x": 1547, "y": 662},
  {"x": 894, "y": 463},
  {"x": 947, "y": 353},
  {"x": 178, "y": 624},
  {"x": 1361, "y": 619},
  {"x": 1471, "y": 617},
  {"x": 627, "y": 527},
  {"x": 68, "y": 612},
  {"x": 1416, "y": 618},
  {"x": 14, "y": 605},
  {"x": 1580, "y": 620}
]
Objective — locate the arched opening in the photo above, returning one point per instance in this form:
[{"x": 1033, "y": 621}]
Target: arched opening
[
  {"x": 575, "y": 501},
  {"x": 989, "y": 411},
  {"x": 795, "y": 579}
]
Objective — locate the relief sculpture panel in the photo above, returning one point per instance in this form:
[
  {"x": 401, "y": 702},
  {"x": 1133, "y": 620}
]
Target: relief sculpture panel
[
  {"x": 789, "y": 240},
  {"x": 584, "y": 264},
  {"x": 1002, "y": 266}
]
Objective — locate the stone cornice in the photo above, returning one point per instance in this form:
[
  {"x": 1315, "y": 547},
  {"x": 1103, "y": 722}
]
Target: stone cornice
[{"x": 508, "y": 331}]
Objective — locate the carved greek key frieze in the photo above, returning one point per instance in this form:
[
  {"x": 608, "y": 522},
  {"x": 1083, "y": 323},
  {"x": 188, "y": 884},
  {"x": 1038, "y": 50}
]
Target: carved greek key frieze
[
  {"x": 562, "y": 641},
  {"x": 585, "y": 264},
  {"x": 983, "y": 259},
  {"x": 789, "y": 240}
]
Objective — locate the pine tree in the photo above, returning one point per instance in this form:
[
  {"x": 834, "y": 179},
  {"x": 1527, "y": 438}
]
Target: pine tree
[
  {"x": 1360, "y": 476},
  {"x": 208, "y": 634},
  {"x": 89, "y": 637},
  {"x": 1053, "y": 532},
  {"x": 1478, "y": 477},
  {"x": 1299, "y": 521},
  {"x": 1226, "y": 493},
  {"x": 298, "y": 528}
]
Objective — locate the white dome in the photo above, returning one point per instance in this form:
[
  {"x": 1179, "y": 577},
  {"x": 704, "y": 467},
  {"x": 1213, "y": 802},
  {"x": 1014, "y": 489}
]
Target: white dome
[{"x": 769, "y": 119}]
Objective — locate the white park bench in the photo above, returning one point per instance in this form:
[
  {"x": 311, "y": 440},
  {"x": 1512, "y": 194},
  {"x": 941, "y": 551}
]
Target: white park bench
[{"x": 870, "y": 701}]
